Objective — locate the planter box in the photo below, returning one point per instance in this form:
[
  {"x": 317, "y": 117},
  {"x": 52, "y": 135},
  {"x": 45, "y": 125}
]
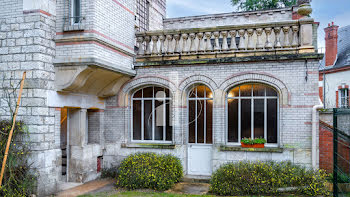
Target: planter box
[{"x": 252, "y": 145}]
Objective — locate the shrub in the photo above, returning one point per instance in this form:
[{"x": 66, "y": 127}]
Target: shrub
[
  {"x": 253, "y": 141},
  {"x": 149, "y": 170},
  {"x": 109, "y": 172},
  {"x": 18, "y": 178},
  {"x": 248, "y": 178}
]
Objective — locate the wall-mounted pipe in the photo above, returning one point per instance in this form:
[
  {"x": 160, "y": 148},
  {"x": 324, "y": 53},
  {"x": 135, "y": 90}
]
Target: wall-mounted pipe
[{"x": 314, "y": 134}]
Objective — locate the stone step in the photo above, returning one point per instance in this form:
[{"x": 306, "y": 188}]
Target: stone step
[{"x": 196, "y": 179}]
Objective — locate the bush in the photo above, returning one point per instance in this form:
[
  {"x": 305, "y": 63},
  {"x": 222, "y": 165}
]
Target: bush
[
  {"x": 248, "y": 178},
  {"x": 109, "y": 172},
  {"x": 149, "y": 170},
  {"x": 18, "y": 178}
]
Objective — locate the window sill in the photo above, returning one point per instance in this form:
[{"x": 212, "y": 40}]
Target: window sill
[
  {"x": 75, "y": 27},
  {"x": 238, "y": 148},
  {"x": 149, "y": 146}
]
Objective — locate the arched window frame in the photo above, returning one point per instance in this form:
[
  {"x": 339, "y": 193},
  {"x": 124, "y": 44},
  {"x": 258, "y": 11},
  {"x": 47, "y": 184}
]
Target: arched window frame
[
  {"x": 153, "y": 99},
  {"x": 205, "y": 98},
  {"x": 265, "y": 97}
]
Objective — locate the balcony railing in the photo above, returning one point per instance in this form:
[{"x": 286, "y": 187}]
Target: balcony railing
[{"x": 293, "y": 35}]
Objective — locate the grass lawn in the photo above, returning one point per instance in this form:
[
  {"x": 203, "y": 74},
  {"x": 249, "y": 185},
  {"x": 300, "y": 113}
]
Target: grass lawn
[{"x": 142, "y": 194}]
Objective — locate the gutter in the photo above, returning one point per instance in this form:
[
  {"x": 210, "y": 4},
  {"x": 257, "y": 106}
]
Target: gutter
[{"x": 314, "y": 134}]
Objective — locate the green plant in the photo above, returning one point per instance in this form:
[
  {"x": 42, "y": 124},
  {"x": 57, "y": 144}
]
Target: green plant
[
  {"x": 149, "y": 170},
  {"x": 252, "y": 5},
  {"x": 109, "y": 172},
  {"x": 253, "y": 141},
  {"x": 251, "y": 178},
  {"x": 19, "y": 179}
]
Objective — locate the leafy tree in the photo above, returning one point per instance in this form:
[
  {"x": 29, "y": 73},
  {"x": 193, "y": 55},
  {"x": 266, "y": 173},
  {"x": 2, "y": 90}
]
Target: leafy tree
[{"x": 252, "y": 5}]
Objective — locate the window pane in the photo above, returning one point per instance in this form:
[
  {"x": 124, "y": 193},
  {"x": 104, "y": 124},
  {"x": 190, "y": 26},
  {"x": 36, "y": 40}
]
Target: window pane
[
  {"x": 192, "y": 122},
  {"x": 148, "y": 120},
  {"x": 259, "y": 90},
  {"x": 148, "y": 92},
  {"x": 233, "y": 120},
  {"x": 246, "y": 90},
  {"x": 270, "y": 92},
  {"x": 246, "y": 118},
  {"x": 258, "y": 118},
  {"x": 208, "y": 93},
  {"x": 200, "y": 91},
  {"x": 169, "y": 127},
  {"x": 234, "y": 92},
  {"x": 271, "y": 120},
  {"x": 192, "y": 93},
  {"x": 159, "y": 92},
  {"x": 138, "y": 94},
  {"x": 136, "y": 113},
  {"x": 167, "y": 94},
  {"x": 160, "y": 121},
  {"x": 209, "y": 137},
  {"x": 200, "y": 121},
  {"x": 76, "y": 11}
]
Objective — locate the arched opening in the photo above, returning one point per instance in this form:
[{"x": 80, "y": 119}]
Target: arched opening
[
  {"x": 252, "y": 112},
  {"x": 151, "y": 115}
]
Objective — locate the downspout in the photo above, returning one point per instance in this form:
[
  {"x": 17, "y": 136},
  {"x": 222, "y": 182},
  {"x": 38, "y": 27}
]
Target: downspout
[{"x": 314, "y": 134}]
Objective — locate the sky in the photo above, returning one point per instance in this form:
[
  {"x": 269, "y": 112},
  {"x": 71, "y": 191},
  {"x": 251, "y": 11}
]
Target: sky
[{"x": 324, "y": 11}]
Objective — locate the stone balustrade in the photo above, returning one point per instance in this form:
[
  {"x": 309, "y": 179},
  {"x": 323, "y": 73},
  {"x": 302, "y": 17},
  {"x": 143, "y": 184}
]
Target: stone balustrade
[{"x": 293, "y": 35}]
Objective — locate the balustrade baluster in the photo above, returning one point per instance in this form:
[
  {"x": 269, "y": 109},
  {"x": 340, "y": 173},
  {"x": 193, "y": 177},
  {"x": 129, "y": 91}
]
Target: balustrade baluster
[
  {"x": 224, "y": 35},
  {"x": 208, "y": 46},
  {"x": 140, "y": 40},
  {"x": 148, "y": 40},
  {"x": 268, "y": 44},
  {"x": 286, "y": 42},
  {"x": 200, "y": 42},
  {"x": 177, "y": 43},
  {"x": 250, "y": 33},
  {"x": 233, "y": 45},
  {"x": 241, "y": 45},
  {"x": 295, "y": 42},
  {"x": 277, "y": 31},
  {"x": 184, "y": 44},
  {"x": 170, "y": 48},
  {"x": 162, "y": 40},
  {"x": 193, "y": 44},
  {"x": 259, "y": 42},
  {"x": 217, "y": 44},
  {"x": 155, "y": 45}
]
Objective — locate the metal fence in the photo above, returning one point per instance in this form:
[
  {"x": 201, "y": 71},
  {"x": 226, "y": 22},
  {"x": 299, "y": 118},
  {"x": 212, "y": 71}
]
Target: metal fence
[{"x": 341, "y": 152}]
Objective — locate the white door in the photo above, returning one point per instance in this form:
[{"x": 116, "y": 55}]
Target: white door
[{"x": 199, "y": 159}]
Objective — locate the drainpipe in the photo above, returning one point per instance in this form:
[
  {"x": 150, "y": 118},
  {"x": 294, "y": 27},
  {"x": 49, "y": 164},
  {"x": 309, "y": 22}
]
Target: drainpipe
[{"x": 314, "y": 133}]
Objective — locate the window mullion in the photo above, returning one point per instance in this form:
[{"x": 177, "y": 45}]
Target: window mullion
[
  {"x": 153, "y": 119},
  {"x": 265, "y": 119},
  {"x": 196, "y": 108},
  {"x": 205, "y": 118},
  {"x": 142, "y": 120},
  {"x": 252, "y": 116},
  {"x": 164, "y": 120},
  {"x": 239, "y": 115}
]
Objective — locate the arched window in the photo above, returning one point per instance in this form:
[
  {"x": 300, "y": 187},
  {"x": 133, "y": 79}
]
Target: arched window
[
  {"x": 151, "y": 115},
  {"x": 252, "y": 111},
  {"x": 200, "y": 111}
]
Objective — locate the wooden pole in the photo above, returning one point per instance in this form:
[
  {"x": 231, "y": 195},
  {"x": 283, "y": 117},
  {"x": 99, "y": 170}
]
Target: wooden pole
[{"x": 12, "y": 128}]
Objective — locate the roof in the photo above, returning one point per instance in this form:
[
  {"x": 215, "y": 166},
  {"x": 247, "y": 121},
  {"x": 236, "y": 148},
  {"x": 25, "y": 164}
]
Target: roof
[{"x": 343, "y": 57}]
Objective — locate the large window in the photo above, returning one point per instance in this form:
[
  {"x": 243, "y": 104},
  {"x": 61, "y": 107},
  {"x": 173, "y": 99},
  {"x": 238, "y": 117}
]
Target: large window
[
  {"x": 252, "y": 113},
  {"x": 344, "y": 98},
  {"x": 200, "y": 101},
  {"x": 151, "y": 115}
]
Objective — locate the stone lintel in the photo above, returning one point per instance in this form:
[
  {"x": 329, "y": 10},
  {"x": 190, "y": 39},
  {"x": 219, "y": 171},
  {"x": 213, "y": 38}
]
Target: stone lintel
[{"x": 164, "y": 61}]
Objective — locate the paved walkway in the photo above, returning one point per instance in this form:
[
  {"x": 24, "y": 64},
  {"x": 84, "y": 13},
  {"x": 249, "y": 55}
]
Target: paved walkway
[
  {"x": 88, "y": 187},
  {"x": 190, "y": 188}
]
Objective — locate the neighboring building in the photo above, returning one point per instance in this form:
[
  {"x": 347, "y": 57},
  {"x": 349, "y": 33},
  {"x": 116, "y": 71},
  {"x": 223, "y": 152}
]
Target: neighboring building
[
  {"x": 334, "y": 77},
  {"x": 90, "y": 101}
]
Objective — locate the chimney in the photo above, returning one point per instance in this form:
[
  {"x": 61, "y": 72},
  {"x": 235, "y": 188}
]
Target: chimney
[{"x": 331, "y": 43}]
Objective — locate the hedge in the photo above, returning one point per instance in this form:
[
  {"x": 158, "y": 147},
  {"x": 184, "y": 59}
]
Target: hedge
[
  {"x": 149, "y": 170},
  {"x": 251, "y": 178}
]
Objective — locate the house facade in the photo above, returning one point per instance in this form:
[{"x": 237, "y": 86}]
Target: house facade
[
  {"x": 109, "y": 78},
  {"x": 335, "y": 67}
]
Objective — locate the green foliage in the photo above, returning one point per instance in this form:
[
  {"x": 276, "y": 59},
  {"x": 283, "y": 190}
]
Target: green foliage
[
  {"x": 342, "y": 178},
  {"x": 252, "y": 5},
  {"x": 253, "y": 141},
  {"x": 250, "y": 178},
  {"x": 109, "y": 172},
  {"x": 149, "y": 170},
  {"x": 18, "y": 178}
]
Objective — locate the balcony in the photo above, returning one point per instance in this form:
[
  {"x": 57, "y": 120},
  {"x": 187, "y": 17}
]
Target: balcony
[{"x": 257, "y": 40}]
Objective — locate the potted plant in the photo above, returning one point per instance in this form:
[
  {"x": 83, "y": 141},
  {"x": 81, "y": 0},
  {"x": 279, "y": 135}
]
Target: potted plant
[{"x": 253, "y": 143}]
